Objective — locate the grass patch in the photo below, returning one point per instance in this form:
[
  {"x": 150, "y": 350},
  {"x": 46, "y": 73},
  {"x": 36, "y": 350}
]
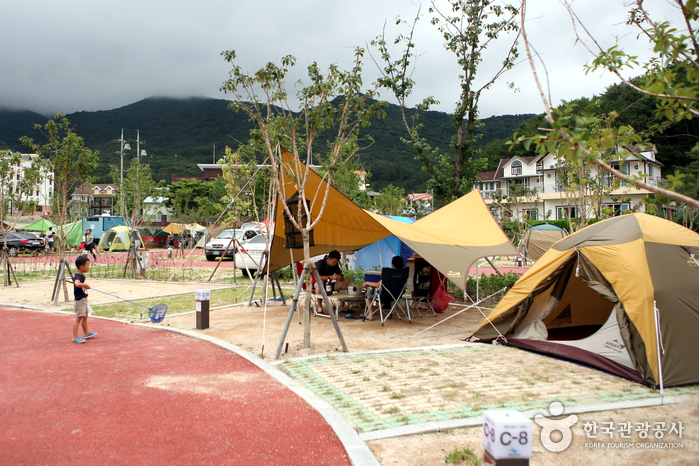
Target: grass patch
[
  {"x": 175, "y": 304},
  {"x": 465, "y": 456}
]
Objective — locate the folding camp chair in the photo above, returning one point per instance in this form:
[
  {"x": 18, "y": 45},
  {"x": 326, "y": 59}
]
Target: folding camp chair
[{"x": 393, "y": 285}]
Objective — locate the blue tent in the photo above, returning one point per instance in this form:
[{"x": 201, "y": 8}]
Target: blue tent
[{"x": 381, "y": 252}]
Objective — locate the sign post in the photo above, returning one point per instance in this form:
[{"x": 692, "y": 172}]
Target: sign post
[
  {"x": 203, "y": 299},
  {"x": 507, "y": 438}
]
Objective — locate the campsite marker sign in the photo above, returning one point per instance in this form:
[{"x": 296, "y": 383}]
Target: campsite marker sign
[
  {"x": 203, "y": 297},
  {"x": 507, "y": 435}
]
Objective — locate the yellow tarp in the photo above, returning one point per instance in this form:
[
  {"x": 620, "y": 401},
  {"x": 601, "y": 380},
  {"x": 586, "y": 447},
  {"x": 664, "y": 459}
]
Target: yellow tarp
[
  {"x": 454, "y": 237},
  {"x": 450, "y": 239},
  {"x": 344, "y": 226}
]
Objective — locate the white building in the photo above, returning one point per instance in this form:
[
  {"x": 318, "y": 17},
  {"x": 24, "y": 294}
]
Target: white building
[
  {"x": 42, "y": 192},
  {"x": 96, "y": 199},
  {"x": 155, "y": 212},
  {"x": 547, "y": 198}
]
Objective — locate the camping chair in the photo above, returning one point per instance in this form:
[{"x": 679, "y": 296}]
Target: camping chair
[{"x": 393, "y": 285}]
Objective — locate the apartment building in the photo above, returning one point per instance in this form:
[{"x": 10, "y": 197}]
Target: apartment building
[
  {"x": 538, "y": 188},
  {"x": 42, "y": 193}
]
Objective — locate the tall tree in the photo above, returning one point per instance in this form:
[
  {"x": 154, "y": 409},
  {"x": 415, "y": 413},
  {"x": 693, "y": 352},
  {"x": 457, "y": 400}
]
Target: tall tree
[
  {"x": 391, "y": 201},
  {"x": 194, "y": 200},
  {"x": 468, "y": 29},
  {"x": 19, "y": 179},
  {"x": 237, "y": 173},
  {"x": 331, "y": 101},
  {"x": 671, "y": 76},
  {"x": 70, "y": 163}
]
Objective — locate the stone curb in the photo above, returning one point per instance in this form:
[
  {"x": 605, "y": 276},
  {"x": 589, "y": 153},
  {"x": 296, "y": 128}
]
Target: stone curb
[
  {"x": 440, "y": 426},
  {"x": 383, "y": 351}
]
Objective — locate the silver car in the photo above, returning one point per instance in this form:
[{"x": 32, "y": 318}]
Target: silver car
[
  {"x": 249, "y": 254},
  {"x": 216, "y": 247}
]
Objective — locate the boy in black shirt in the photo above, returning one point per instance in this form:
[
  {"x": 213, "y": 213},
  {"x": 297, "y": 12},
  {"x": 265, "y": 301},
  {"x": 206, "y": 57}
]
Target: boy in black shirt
[{"x": 81, "y": 307}]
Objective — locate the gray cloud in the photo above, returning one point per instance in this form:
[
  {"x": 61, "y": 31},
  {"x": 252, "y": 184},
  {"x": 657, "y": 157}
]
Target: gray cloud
[{"x": 84, "y": 55}]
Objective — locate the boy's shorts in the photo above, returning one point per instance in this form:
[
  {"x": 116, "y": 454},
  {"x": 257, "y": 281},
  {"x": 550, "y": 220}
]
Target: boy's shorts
[{"x": 82, "y": 308}]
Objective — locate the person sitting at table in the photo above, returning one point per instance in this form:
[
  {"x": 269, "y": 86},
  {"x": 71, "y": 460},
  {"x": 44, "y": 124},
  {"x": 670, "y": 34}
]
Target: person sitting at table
[
  {"x": 329, "y": 270},
  {"x": 373, "y": 287}
]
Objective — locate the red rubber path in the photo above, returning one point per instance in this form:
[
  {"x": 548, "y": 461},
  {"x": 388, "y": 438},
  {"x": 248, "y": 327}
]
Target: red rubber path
[{"x": 135, "y": 395}]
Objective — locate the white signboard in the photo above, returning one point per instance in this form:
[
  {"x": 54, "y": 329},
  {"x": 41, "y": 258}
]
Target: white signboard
[
  {"x": 198, "y": 306},
  {"x": 203, "y": 295},
  {"x": 507, "y": 434}
]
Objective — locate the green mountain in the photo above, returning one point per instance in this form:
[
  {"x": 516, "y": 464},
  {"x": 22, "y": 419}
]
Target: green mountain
[
  {"x": 15, "y": 124},
  {"x": 180, "y": 133}
]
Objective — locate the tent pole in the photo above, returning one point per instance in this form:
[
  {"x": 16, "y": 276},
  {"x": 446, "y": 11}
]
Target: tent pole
[
  {"x": 294, "y": 304},
  {"x": 314, "y": 271},
  {"x": 659, "y": 344},
  {"x": 465, "y": 309},
  {"x": 493, "y": 266},
  {"x": 477, "y": 279}
]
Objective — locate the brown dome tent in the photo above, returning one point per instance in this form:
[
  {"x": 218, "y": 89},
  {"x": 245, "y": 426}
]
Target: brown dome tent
[
  {"x": 538, "y": 239},
  {"x": 621, "y": 295}
]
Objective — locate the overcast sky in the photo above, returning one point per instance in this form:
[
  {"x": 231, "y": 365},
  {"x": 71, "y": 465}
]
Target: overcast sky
[{"x": 75, "y": 55}]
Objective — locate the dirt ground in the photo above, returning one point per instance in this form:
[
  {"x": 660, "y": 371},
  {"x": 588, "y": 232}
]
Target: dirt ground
[{"x": 258, "y": 330}]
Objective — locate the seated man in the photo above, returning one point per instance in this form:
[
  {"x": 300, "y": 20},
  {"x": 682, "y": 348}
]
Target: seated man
[
  {"x": 329, "y": 270},
  {"x": 89, "y": 243},
  {"x": 371, "y": 287}
]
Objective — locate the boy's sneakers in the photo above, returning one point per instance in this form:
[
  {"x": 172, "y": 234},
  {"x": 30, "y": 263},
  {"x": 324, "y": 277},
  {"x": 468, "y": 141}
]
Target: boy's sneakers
[
  {"x": 90, "y": 335},
  {"x": 78, "y": 340}
]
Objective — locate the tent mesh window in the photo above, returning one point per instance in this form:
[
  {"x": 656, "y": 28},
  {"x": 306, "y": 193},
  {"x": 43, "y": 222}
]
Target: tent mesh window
[{"x": 294, "y": 240}]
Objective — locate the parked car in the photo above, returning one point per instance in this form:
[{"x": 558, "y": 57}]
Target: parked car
[
  {"x": 216, "y": 247},
  {"x": 249, "y": 254},
  {"x": 18, "y": 242}
]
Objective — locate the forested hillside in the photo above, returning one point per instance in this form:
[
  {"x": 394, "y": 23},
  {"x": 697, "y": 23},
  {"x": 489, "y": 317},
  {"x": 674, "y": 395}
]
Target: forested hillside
[{"x": 180, "y": 133}]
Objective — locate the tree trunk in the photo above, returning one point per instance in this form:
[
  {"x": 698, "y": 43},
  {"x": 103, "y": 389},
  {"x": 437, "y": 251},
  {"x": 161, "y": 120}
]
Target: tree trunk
[{"x": 309, "y": 281}]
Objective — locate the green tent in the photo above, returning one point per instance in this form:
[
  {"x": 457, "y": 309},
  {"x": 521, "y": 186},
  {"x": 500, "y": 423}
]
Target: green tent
[
  {"x": 41, "y": 225},
  {"x": 75, "y": 233},
  {"x": 118, "y": 239}
]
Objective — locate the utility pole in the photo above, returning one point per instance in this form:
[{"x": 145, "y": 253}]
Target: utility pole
[
  {"x": 138, "y": 144},
  {"x": 121, "y": 175},
  {"x": 122, "y": 147}
]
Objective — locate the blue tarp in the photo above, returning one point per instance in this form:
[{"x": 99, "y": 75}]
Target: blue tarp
[{"x": 379, "y": 254}]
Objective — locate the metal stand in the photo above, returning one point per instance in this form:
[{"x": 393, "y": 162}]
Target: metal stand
[
  {"x": 61, "y": 279},
  {"x": 272, "y": 275},
  {"x": 134, "y": 261},
  {"x": 309, "y": 268},
  {"x": 8, "y": 269}
]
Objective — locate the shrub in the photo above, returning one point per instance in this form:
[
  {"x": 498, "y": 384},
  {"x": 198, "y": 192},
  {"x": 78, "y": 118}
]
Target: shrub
[{"x": 488, "y": 285}]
